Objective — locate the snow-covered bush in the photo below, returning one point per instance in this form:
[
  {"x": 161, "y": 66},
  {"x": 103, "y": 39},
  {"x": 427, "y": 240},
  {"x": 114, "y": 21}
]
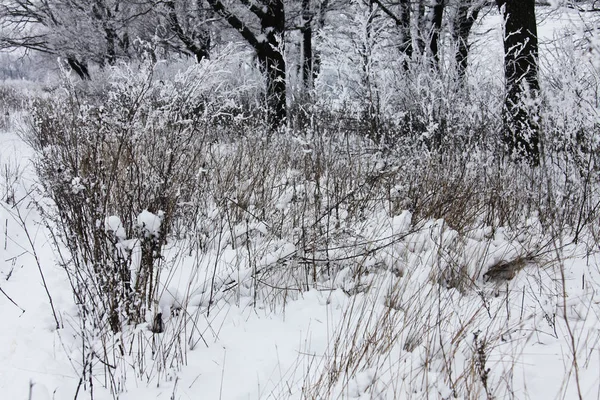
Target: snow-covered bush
[
  {"x": 120, "y": 159},
  {"x": 119, "y": 156},
  {"x": 571, "y": 135}
]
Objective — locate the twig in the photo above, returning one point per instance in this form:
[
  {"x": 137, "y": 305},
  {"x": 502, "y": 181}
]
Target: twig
[
  {"x": 564, "y": 307},
  {"x": 11, "y": 300},
  {"x": 222, "y": 375}
]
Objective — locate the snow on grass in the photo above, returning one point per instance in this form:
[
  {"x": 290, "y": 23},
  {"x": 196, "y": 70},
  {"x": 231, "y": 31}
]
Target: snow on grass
[
  {"x": 371, "y": 330},
  {"x": 393, "y": 308}
]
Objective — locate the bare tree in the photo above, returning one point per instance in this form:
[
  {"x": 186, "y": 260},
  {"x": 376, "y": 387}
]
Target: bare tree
[
  {"x": 402, "y": 20},
  {"x": 435, "y": 27},
  {"x": 317, "y": 25},
  {"x": 77, "y": 30},
  {"x": 307, "y": 45},
  {"x": 428, "y": 18}
]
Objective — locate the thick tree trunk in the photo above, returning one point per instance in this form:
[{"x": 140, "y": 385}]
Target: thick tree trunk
[
  {"x": 406, "y": 48},
  {"x": 520, "y": 115},
  {"x": 372, "y": 100},
  {"x": 269, "y": 50},
  {"x": 307, "y": 52},
  {"x": 422, "y": 26},
  {"x": 403, "y": 23},
  {"x": 111, "y": 52},
  {"x": 273, "y": 66},
  {"x": 320, "y": 24},
  {"x": 102, "y": 12},
  {"x": 270, "y": 55},
  {"x": 465, "y": 18}
]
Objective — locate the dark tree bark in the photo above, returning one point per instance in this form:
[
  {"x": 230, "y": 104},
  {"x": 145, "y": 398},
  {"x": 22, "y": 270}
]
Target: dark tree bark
[
  {"x": 406, "y": 48},
  {"x": 102, "y": 12},
  {"x": 320, "y": 23},
  {"x": 111, "y": 52},
  {"x": 520, "y": 120},
  {"x": 307, "y": 52},
  {"x": 372, "y": 109},
  {"x": 429, "y": 16},
  {"x": 79, "y": 67},
  {"x": 421, "y": 18},
  {"x": 268, "y": 47},
  {"x": 466, "y": 16},
  {"x": 437, "y": 14},
  {"x": 270, "y": 56}
]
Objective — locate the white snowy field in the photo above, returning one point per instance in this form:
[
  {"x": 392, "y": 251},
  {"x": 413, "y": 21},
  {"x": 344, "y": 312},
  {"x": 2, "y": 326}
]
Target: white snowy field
[{"x": 242, "y": 320}]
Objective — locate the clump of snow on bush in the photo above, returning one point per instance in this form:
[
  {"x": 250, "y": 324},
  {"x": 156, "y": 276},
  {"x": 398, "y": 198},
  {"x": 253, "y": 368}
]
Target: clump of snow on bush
[
  {"x": 150, "y": 223},
  {"x": 77, "y": 185},
  {"x": 114, "y": 225},
  {"x": 284, "y": 250},
  {"x": 131, "y": 249}
]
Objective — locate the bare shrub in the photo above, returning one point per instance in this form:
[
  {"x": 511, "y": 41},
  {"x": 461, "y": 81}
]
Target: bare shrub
[
  {"x": 118, "y": 167},
  {"x": 12, "y": 100}
]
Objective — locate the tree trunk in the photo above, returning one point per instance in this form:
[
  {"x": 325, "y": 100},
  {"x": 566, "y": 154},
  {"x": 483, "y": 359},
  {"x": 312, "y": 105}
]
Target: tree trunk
[
  {"x": 465, "y": 18},
  {"x": 320, "y": 24},
  {"x": 520, "y": 117},
  {"x": 103, "y": 14},
  {"x": 403, "y": 23},
  {"x": 270, "y": 55},
  {"x": 406, "y": 48},
  {"x": 273, "y": 66},
  {"x": 422, "y": 25},
  {"x": 111, "y": 37},
  {"x": 437, "y": 14},
  {"x": 307, "y": 52},
  {"x": 269, "y": 50},
  {"x": 200, "y": 49}
]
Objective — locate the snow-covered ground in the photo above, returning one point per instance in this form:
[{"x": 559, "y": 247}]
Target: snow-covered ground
[
  {"x": 412, "y": 334},
  {"x": 31, "y": 350},
  {"x": 401, "y": 335}
]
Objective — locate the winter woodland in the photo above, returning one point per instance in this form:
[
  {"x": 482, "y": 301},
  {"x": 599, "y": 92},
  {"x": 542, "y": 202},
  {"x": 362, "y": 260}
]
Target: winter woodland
[{"x": 299, "y": 199}]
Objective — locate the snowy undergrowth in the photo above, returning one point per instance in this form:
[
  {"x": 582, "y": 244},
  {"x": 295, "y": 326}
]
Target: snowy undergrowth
[
  {"x": 447, "y": 299},
  {"x": 208, "y": 257}
]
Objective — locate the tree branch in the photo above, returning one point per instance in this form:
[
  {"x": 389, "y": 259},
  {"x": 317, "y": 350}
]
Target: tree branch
[
  {"x": 235, "y": 22},
  {"x": 191, "y": 45},
  {"x": 254, "y": 8},
  {"x": 388, "y": 12}
]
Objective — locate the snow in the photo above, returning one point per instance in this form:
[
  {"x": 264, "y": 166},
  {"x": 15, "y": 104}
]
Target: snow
[
  {"x": 77, "y": 186},
  {"x": 149, "y": 222},
  {"x": 32, "y": 350},
  {"x": 408, "y": 330},
  {"x": 241, "y": 349},
  {"x": 114, "y": 225}
]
